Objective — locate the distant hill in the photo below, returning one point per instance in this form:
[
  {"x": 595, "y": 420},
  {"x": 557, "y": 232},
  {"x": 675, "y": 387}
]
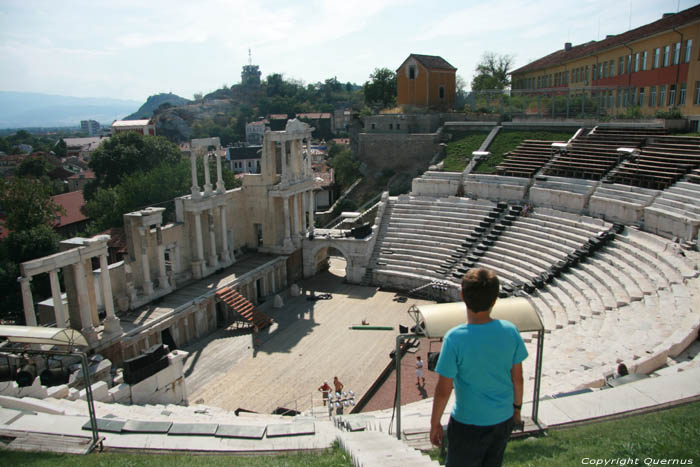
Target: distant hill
[
  {"x": 155, "y": 101},
  {"x": 27, "y": 109}
]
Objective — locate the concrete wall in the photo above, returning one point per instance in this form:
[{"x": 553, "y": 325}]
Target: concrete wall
[{"x": 402, "y": 123}]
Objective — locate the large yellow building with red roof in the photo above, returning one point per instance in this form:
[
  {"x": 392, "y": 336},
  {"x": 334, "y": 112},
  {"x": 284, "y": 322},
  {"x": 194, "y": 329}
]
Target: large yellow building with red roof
[{"x": 654, "y": 67}]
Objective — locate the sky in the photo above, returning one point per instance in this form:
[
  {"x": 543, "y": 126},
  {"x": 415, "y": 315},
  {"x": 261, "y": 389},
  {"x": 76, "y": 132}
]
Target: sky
[{"x": 130, "y": 49}]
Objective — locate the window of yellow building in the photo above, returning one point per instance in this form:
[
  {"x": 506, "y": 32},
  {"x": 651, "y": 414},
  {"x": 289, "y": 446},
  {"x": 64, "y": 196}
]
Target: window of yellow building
[
  {"x": 688, "y": 49},
  {"x": 636, "y": 62},
  {"x": 662, "y": 95},
  {"x": 657, "y": 52},
  {"x": 677, "y": 53},
  {"x": 644, "y": 60},
  {"x": 697, "y": 93},
  {"x": 640, "y": 97},
  {"x": 672, "y": 95},
  {"x": 667, "y": 55},
  {"x": 681, "y": 96},
  {"x": 652, "y": 97}
]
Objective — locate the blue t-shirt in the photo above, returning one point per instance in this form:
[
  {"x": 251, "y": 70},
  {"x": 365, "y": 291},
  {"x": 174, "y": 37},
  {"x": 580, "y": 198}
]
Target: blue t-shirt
[{"x": 479, "y": 359}]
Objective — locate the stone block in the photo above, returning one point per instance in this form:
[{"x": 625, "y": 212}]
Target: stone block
[
  {"x": 73, "y": 394},
  {"x": 30, "y": 404},
  {"x": 120, "y": 394},
  {"x": 36, "y": 390},
  {"x": 277, "y": 303},
  {"x": 648, "y": 364},
  {"x": 10, "y": 389},
  {"x": 142, "y": 392},
  {"x": 100, "y": 391},
  {"x": 294, "y": 290},
  {"x": 681, "y": 340},
  {"x": 167, "y": 375},
  {"x": 58, "y": 392}
]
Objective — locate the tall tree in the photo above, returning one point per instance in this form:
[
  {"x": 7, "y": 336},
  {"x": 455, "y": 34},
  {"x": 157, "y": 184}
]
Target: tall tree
[
  {"x": 381, "y": 88},
  {"x": 27, "y": 203},
  {"x": 126, "y": 153},
  {"x": 492, "y": 71}
]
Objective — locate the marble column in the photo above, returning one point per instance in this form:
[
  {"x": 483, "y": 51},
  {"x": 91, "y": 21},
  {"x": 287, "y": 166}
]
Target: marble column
[
  {"x": 162, "y": 276},
  {"x": 310, "y": 195},
  {"x": 287, "y": 231},
  {"x": 273, "y": 285},
  {"x": 111, "y": 322},
  {"x": 213, "y": 261},
  {"x": 207, "y": 176},
  {"x": 59, "y": 311},
  {"x": 220, "y": 187},
  {"x": 198, "y": 236},
  {"x": 87, "y": 326},
  {"x": 28, "y": 301},
  {"x": 196, "y": 193},
  {"x": 295, "y": 213},
  {"x": 283, "y": 149},
  {"x": 145, "y": 266},
  {"x": 225, "y": 256}
]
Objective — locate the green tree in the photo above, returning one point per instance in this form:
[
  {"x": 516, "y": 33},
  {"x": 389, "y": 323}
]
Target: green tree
[
  {"x": 60, "y": 149},
  {"x": 126, "y": 153},
  {"x": 18, "y": 247},
  {"x": 346, "y": 167},
  {"x": 36, "y": 167},
  {"x": 381, "y": 88},
  {"x": 27, "y": 203},
  {"x": 141, "y": 189},
  {"x": 492, "y": 71}
]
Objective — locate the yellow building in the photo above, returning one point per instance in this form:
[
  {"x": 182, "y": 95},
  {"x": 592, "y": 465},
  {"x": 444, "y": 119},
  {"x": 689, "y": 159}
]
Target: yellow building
[
  {"x": 426, "y": 81},
  {"x": 654, "y": 67}
]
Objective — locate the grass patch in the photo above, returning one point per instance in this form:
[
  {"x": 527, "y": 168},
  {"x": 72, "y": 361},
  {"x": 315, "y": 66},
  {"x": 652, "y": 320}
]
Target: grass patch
[
  {"x": 331, "y": 458},
  {"x": 646, "y": 439},
  {"x": 459, "y": 149},
  {"x": 507, "y": 140}
]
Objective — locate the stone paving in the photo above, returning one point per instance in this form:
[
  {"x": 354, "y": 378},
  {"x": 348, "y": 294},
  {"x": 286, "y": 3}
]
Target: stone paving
[{"x": 311, "y": 343}]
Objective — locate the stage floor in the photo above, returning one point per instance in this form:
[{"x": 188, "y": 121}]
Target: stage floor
[{"x": 309, "y": 343}]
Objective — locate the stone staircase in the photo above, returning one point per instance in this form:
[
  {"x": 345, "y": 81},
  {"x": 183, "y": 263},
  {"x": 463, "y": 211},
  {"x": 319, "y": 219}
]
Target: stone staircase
[{"x": 374, "y": 448}]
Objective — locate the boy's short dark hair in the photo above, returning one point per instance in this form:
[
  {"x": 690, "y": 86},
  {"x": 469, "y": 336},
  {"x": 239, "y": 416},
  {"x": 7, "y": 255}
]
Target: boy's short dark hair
[{"x": 480, "y": 289}]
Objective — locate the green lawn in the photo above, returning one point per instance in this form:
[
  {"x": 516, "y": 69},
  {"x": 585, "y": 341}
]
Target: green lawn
[
  {"x": 459, "y": 149},
  {"x": 334, "y": 457},
  {"x": 507, "y": 140},
  {"x": 646, "y": 439}
]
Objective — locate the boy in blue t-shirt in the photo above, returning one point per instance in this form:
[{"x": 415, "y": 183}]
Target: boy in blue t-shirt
[{"x": 482, "y": 359}]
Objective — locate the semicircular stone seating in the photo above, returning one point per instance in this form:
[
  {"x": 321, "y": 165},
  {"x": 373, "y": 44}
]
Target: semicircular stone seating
[
  {"x": 640, "y": 292},
  {"x": 629, "y": 301}
]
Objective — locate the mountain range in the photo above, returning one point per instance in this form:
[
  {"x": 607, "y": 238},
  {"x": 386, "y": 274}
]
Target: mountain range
[{"x": 27, "y": 109}]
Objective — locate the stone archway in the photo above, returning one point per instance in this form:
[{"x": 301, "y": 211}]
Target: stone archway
[{"x": 330, "y": 257}]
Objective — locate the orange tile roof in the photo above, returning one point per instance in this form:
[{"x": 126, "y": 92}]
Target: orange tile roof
[{"x": 71, "y": 202}]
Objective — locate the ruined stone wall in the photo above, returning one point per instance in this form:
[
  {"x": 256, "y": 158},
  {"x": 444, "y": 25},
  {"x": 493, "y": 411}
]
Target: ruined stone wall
[{"x": 397, "y": 151}]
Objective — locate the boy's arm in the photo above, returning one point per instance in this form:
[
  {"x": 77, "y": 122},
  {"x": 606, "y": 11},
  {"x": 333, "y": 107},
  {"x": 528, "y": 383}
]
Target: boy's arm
[
  {"x": 516, "y": 374},
  {"x": 442, "y": 395}
]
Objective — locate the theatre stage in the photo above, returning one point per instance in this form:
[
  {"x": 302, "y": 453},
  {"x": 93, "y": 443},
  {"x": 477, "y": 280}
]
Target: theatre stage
[{"x": 309, "y": 343}]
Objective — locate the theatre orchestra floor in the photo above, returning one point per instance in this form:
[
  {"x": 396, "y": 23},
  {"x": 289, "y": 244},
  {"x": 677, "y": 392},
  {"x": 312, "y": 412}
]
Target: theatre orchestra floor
[{"x": 310, "y": 342}]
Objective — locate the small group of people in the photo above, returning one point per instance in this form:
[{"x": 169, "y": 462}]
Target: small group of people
[{"x": 325, "y": 388}]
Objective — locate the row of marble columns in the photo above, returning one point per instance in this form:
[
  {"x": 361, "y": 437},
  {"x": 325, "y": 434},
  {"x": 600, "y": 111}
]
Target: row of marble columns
[
  {"x": 87, "y": 324},
  {"x": 203, "y": 317},
  {"x": 225, "y": 249},
  {"x": 220, "y": 187},
  {"x": 145, "y": 264},
  {"x": 299, "y": 225},
  {"x": 300, "y": 166}
]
